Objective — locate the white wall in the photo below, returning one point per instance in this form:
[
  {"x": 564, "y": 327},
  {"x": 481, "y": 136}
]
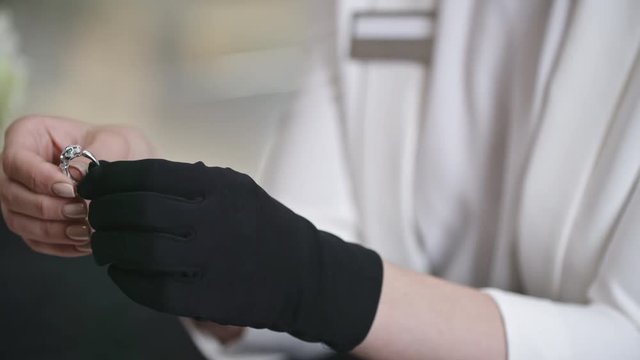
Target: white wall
[{"x": 207, "y": 80}]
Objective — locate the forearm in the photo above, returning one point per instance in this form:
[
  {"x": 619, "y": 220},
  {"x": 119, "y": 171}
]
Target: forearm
[{"x": 422, "y": 317}]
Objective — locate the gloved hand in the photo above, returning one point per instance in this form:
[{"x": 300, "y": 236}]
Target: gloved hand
[{"x": 209, "y": 243}]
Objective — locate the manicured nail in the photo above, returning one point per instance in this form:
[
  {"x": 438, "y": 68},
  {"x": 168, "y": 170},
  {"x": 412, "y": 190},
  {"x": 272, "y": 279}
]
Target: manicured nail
[
  {"x": 86, "y": 248},
  {"x": 64, "y": 190},
  {"x": 78, "y": 232},
  {"x": 75, "y": 211}
]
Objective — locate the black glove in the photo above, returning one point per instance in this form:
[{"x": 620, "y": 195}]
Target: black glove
[{"x": 209, "y": 243}]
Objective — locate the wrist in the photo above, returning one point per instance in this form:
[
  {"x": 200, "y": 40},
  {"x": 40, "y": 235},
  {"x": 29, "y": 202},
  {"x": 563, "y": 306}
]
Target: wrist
[{"x": 341, "y": 296}]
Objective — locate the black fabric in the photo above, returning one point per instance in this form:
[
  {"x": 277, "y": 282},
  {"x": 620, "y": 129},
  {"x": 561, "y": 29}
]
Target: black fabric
[
  {"x": 66, "y": 309},
  {"x": 208, "y": 242}
]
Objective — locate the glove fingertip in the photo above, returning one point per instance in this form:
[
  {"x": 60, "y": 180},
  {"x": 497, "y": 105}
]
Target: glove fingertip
[
  {"x": 85, "y": 186},
  {"x": 98, "y": 256},
  {"x": 93, "y": 165}
]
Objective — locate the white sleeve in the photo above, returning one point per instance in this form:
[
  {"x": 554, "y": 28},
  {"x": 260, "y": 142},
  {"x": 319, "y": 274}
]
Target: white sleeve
[{"x": 608, "y": 327}]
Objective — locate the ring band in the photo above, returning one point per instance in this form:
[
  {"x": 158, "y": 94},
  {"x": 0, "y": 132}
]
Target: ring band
[{"x": 71, "y": 152}]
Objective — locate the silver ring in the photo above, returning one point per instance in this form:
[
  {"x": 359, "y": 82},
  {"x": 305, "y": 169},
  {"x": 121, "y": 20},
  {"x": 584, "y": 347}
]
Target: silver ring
[{"x": 71, "y": 152}]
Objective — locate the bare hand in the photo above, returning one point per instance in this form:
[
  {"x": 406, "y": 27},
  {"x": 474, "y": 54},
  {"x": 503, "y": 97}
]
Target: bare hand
[{"x": 38, "y": 202}]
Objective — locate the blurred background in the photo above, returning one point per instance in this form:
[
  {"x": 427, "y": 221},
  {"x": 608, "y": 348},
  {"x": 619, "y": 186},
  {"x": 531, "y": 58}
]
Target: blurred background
[{"x": 205, "y": 79}]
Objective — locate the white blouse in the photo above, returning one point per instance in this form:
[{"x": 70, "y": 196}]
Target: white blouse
[{"x": 510, "y": 163}]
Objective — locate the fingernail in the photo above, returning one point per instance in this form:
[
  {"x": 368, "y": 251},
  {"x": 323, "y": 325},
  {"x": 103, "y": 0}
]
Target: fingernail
[
  {"x": 82, "y": 167},
  {"x": 78, "y": 171},
  {"x": 63, "y": 189},
  {"x": 78, "y": 232},
  {"x": 75, "y": 211},
  {"x": 86, "y": 248}
]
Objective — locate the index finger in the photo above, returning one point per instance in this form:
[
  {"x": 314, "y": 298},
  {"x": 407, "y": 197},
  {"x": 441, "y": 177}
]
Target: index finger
[
  {"x": 37, "y": 174},
  {"x": 148, "y": 175}
]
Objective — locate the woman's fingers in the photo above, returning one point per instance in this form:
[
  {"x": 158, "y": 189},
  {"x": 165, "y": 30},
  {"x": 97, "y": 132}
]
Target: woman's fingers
[
  {"x": 40, "y": 220},
  {"x": 46, "y": 231},
  {"x": 59, "y": 249},
  {"x": 32, "y": 145},
  {"x": 38, "y": 201},
  {"x": 17, "y": 198},
  {"x": 37, "y": 174},
  {"x": 55, "y": 241}
]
